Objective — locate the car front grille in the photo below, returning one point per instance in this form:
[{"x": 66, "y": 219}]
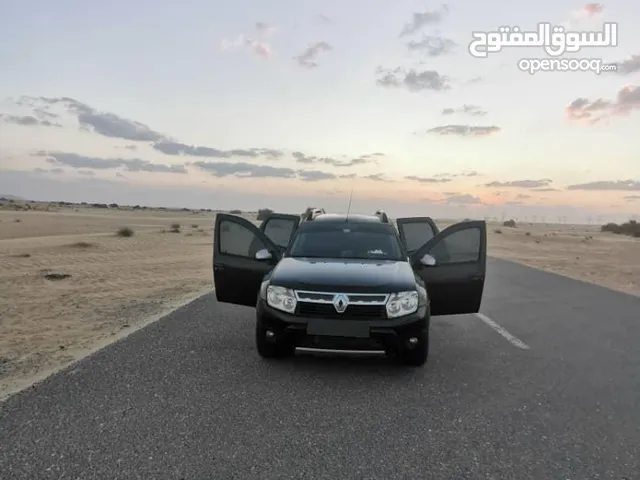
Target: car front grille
[
  {"x": 327, "y": 310},
  {"x": 361, "y": 305}
]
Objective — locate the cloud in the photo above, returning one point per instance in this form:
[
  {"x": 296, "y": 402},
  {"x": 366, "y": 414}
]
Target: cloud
[
  {"x": 250, "y": 170},
  {"x": 113, "y": 126},
  {"x": 546, "y": 189},
  {"x": 583, "y": 110},
  {"x": 182, "y": 149},
  {"x": 324, "y": 19},
  {"x": 87, "y": 173},
  {"x": 473, "y": 110},
  {"x": 377, "y": 177},
  {"x": 465, "y": 130},
  {"x": 591, "y": 9},
  {"x": 463, "y": 200},
  {"x": 521, "y": 184},
  {"x": 243, "y": 169},
  {"x": 264, "y": 28},
  {"x": 27, "y": 120},
  {"x": 471, "y": 173},
  {"x": 307, "y": 58},
  {"x": 40, "y": 113},
  {"x": 314, "y": 175},
  {"x": 95, "y": 163},
  {"x": 103, "y": 123},
  {"x": 605, "y": 185},
  {"x": 632, "y": 198},
  {"x": 55, "y": 171},
  {"x": 427, "y": 179},
  {"x": 370, "y": 158},
  {"x": 412, "y": 80},
  {"x": 420, "y": 20},
  {"x": 256, "y": 42},
  {"x": 432, "y": 45},
  {"x": 628, "y": 66},
  {"x": 522, "y": 196}
]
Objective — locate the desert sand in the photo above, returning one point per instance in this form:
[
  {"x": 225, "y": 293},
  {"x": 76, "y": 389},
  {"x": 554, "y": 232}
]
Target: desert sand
[{"x": 119, "y": 284}]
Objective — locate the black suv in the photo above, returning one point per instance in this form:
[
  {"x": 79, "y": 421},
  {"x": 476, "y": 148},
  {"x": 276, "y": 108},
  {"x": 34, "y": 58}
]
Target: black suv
[{"x": 348, "y": 282}]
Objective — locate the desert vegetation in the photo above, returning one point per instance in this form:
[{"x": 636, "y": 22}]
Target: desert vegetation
[{"x": 630, "y": 228}]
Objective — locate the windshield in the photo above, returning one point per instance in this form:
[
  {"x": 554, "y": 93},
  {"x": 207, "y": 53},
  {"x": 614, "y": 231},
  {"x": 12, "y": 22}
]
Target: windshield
[{"x": 346, "y": 242}]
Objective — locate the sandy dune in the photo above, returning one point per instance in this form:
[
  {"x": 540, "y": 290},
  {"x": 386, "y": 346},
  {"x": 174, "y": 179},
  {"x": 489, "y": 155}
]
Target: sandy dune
[{"x": 118, "y": 284}]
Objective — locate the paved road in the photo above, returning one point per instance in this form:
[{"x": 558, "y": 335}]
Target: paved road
[{"x": 188, "y": 398}]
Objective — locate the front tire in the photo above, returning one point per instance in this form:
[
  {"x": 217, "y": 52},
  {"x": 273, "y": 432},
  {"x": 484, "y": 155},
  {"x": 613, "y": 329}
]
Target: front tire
[
  {"x": 279, "y": 348},
  {"x": 418, "y": 355}
]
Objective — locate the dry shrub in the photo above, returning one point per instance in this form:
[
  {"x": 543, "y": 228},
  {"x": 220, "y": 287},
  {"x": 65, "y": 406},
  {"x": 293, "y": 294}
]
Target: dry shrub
[{"x": 125, "y": 232}]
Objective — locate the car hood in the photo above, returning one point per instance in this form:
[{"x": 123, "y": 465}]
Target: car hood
[{"x": 344, "y": 275}]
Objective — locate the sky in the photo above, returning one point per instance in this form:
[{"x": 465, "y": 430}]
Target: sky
[{"x": 290, "y": 103}]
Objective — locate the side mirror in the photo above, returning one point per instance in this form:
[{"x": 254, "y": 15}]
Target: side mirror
[
  {"x": 263, "y": 254},
  {"x": 428, "y": 260}
]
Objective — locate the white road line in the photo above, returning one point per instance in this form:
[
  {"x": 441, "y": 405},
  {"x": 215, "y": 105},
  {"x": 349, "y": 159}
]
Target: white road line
[{"x": 510, "y": 338}]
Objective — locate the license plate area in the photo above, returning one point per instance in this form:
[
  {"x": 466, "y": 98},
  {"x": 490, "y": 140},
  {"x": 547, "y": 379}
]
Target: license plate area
[{"x": 338, "y": 328}]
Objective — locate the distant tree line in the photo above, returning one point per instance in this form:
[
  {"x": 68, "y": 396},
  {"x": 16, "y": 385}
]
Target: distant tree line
[{"x": 631, "y": 228}]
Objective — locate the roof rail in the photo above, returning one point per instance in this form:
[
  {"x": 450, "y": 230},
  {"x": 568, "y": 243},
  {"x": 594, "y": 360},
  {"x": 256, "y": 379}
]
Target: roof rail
[
  {"x": 383, "y": 216},
  {"x": 311, "y": 213}
]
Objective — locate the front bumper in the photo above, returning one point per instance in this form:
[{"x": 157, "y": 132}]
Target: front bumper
[{"x": 384, "y": 334}]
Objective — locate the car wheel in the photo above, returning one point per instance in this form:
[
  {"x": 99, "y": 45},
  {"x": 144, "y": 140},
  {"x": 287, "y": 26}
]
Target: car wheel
[
  {"x": 416, "y": 356},
  {"x": 272, "y": 349}
]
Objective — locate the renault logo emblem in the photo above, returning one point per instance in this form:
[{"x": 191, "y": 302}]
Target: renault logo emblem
[{"x": 340, "y": 303}]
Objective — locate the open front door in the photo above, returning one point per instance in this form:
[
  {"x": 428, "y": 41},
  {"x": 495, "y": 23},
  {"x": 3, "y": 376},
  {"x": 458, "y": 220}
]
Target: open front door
[
  {"x": 279, "y": 228},
  {"x": 237, "y": 273},
  {"x": 455, "y": 271},
  {"x": 416, "y": 231}
]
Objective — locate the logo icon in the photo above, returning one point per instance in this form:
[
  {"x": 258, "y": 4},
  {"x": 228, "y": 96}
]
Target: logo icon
[{"x": 340, "y": 302}]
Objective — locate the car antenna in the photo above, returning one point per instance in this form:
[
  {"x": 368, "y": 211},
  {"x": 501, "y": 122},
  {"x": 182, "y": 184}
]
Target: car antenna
[{"x": 349, "y": 207}]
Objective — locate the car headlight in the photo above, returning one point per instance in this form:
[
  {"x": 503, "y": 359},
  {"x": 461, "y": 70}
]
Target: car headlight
[
  {"x": 281, "y": 298},
  {"x": 402, "y": 303}
]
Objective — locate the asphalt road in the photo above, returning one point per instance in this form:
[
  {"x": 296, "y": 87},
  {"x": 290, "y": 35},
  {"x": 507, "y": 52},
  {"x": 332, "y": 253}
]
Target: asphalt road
[{"x": 189, "y": 398}]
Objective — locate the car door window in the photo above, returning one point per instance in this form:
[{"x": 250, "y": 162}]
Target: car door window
[
  {"x": 238, "y": 240},
  {"x": 279, "y": 230},
  {"x": 416, "y": 235},
  {"x": 459, "y": 247}
]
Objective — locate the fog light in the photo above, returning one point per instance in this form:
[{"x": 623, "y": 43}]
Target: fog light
[
  {"x": 270, "y": 334},
  {"x": 413, "y": 341}
]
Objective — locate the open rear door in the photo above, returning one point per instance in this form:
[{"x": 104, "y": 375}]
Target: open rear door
[
  {"x": 455, "y": 281},
  {"x": 416, "y": 231},
  {"x": 237, "y": 273},
  {"x": 280, "y": 227}
]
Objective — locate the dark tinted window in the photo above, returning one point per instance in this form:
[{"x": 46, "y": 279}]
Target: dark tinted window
[
  {"x": 344, "y": 241},
  {"x": 416, "y": 234},
  {"x": 236, "y": 239},
  {"x": 461, "y": 246},
  {"x": 279, "y": 230}
]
